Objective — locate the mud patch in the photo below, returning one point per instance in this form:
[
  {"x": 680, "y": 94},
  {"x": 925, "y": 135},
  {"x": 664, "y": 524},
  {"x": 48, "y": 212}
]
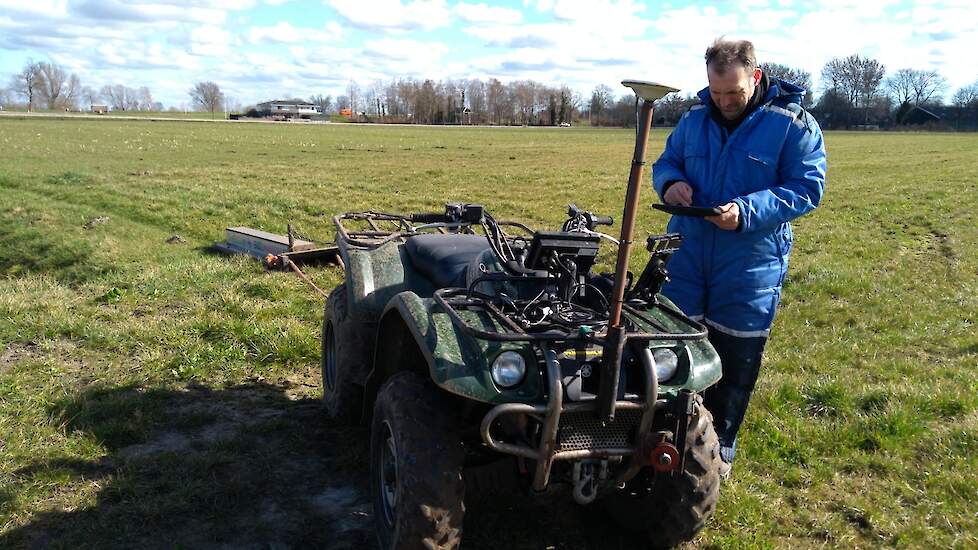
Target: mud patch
[
  {"x": 169, "y": 442},
  {"x": 14, "y": 353}
]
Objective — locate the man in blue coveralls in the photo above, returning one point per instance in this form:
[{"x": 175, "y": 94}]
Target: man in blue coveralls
[{"x": 751, "y": 150}]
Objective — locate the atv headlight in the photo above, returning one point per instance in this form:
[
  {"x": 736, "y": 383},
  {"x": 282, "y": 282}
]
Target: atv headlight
[
  {"x": 666, "y": 363},
  {"x": 508, "y": 369}
]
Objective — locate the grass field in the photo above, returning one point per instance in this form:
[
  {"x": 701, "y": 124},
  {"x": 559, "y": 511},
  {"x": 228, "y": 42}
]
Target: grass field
[
  {"x": 155, "y": 394},
  {"x": 129, "y": 114}
]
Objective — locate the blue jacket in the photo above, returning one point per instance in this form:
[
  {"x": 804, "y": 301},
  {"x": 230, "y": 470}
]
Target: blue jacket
[{"x": 773, "y": 166}]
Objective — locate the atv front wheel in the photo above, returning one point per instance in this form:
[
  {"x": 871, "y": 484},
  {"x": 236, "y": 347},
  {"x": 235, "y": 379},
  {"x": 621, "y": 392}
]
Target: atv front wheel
[
  {"x": 416, "y": 459},
  {"x": 343, "y": 399},
  {"x": 680, "y": 503}
]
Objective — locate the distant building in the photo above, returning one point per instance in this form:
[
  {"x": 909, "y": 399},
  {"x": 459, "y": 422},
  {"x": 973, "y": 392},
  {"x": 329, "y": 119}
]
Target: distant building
[
  {"x": 289, "y": 109},
  {"x": 100, "y": 109},
  {"x": 919, "y": 115}
]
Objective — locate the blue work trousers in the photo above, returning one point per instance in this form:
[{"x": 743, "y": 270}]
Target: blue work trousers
[{"x": 727, "y": 400}]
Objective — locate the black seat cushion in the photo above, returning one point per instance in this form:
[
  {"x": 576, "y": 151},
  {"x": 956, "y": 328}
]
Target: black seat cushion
[{"x": 443, "y": 259}]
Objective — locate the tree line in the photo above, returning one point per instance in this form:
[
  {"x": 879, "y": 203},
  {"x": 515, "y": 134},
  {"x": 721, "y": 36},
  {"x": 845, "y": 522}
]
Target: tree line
[
  {"x": 856, "y": 92},
  {"x": 474, "y": 101},
  {"x": 48, "y": 86}
]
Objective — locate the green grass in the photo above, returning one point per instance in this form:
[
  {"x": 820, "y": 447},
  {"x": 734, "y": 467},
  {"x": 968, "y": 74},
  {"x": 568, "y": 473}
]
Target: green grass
[{"x": 154, "y": 390}]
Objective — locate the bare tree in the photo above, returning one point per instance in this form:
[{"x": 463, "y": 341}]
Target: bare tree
[
  {"x": 497, "y": 102},
  {"x": 855, "y": 78},
  {"x": 144, "y": 98},
  {"x": 52, "y": 79},
  {"x": 928, "y": 86},
  {"x": 4, "y": 98},
  {"x": 526, "y": 94},
  {"x": 120, "y": 97},
  {"x": 27, "y": 83},
  {"x": 90, "y": 96},
  {"x": 407, "y": 93},
  {"x": 915, "y": 86},
  {"x": 900, "y": 86},
  {"x": 353, "y": 95},
  {"x": 601, "y": 99},
  {"x": 56, "y": 88},
  {"x": 207, "y": 96},
  {"x": 967, "y": 96},
  {"x": 425, "y": 103},
  {"x": 71, "y": 92},
  {"x": 476, "y": 98},
  {"x": 798, "y": 77},
  {"x": 324, "y": 102}
]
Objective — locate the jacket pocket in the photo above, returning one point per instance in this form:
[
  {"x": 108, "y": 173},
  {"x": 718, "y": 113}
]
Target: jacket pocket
[
  {"x": 785, "y": 241},
  {"x": 757, "y": 170}
]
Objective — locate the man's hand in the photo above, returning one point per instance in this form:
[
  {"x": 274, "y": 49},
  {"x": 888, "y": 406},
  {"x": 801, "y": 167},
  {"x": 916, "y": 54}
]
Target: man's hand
[
  {"x": 679, "y": 193},
  {"x": 729, "y": 219}
]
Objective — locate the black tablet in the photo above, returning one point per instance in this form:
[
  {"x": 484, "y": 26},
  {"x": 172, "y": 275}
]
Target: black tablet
[{"x": 697, "y": 211}]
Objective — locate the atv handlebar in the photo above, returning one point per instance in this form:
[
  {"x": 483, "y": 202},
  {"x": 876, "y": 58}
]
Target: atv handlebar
[{"x": 577, "y": 218}]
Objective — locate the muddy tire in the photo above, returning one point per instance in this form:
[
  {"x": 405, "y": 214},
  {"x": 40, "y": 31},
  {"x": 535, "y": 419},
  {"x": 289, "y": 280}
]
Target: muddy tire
[
  {"x": 416, "y": 461},
  {"x": 679, "y": 505},
  {"x": 342, "y": 398}
]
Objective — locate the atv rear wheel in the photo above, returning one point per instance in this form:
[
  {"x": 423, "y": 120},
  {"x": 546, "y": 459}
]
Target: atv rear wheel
[
  {"x": 680, "y": 504},
  {"x": 416, "y": 459},
  {"x": 343, "y": 399}
]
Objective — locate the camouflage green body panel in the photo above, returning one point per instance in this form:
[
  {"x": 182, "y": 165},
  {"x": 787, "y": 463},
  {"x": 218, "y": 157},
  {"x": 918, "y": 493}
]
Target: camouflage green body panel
[
  {"x": 381, "y": 280},
  {"x": 376, "y": 275},
  {"x": 702, "y": 365},
  {"x": 460, "y": 363}
]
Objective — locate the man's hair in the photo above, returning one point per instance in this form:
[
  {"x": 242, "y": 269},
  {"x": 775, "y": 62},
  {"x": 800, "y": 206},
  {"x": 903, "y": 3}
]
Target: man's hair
[{"x": 723, "y": 54}]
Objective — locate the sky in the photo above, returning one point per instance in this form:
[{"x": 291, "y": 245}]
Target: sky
[{"x": 258, "y": 50}]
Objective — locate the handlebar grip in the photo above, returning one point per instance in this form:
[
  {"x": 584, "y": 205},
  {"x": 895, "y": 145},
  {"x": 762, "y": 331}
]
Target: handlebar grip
[
  {"x": 430, "y": 218},
  {"x": 603, "y": 220}
]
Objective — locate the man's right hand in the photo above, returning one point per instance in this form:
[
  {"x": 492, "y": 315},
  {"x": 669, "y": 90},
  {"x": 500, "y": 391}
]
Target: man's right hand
[{"x": 679, "y": 193}]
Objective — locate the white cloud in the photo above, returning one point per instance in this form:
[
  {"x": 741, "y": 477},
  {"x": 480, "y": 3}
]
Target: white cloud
[
  {"x": 392, "y": 15},
  {"x": 483, "y": 13},
  {"x": 208, "y": 40},
  {"x": 166, "y": 43},
  {"x": 285, "y": 33}
]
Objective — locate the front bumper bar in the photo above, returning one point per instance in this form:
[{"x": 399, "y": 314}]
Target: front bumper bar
[{"x": 550, "y": 415}]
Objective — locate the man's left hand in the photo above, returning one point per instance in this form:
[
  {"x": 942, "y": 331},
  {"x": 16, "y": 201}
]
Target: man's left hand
[{"x": 729, "y": 219}]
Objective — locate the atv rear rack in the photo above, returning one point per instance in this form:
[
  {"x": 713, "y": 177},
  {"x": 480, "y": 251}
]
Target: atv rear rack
[
  {"x": 453, "y": 299},
  {"x": 383, "y": 227}
]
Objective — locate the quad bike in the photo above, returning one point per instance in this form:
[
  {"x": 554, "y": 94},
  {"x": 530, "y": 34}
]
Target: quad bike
[{"x": 485, "y": 354}]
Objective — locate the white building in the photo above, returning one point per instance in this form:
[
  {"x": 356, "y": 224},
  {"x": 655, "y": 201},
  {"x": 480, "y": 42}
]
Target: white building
[{"x": 289, "y": 108}]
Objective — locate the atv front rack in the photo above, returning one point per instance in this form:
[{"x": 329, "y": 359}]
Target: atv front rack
[{"x": 453, "y": 299}]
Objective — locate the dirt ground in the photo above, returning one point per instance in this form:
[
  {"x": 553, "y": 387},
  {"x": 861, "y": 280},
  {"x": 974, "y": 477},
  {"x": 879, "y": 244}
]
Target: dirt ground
[{"x": 252, "y": 466}]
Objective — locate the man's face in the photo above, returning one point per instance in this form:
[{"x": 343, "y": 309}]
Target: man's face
[{"x": 732, "y": 89}]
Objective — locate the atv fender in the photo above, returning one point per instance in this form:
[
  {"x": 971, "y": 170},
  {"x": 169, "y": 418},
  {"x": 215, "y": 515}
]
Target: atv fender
[{"x": 414, "y": 333}]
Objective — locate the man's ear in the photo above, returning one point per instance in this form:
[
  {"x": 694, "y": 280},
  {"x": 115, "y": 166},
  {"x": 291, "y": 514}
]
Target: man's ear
[{"x": 757, "y": 76}]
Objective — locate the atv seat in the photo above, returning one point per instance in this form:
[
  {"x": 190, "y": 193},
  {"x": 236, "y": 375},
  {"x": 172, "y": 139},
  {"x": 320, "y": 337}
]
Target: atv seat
[{"x": 444, "y": 259}]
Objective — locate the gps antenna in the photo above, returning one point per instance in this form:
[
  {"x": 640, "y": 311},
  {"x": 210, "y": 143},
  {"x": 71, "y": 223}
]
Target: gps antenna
[{"x": 649, "y": 93}]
